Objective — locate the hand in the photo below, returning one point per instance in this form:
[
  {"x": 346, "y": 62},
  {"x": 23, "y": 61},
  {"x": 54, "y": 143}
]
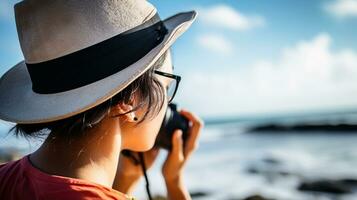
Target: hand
[
  {"x": 128, "y": 173},
  {"x": 178, "y": 156}
]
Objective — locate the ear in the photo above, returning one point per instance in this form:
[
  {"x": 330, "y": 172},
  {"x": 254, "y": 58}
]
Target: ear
[{"x": 121, "y": 108}]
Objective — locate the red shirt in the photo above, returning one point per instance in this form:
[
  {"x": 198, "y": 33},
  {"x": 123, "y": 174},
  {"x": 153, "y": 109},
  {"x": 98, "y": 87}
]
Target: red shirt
[{"x": 20, "y": 180}]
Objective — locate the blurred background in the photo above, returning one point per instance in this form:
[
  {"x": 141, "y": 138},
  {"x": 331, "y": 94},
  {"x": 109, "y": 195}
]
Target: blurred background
[{"x": 276, "y": 84}]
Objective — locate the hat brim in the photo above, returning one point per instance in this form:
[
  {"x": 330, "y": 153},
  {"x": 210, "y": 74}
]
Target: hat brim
[{"x": 19, "y": 104}]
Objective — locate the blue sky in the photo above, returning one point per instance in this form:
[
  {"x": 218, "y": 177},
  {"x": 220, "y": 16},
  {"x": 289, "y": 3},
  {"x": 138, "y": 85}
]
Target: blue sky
[{"x": 247, "y": 57}]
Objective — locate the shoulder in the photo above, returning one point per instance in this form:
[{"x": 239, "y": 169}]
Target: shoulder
[
  {"x": 11, "y": 168},
  {"x": 19, "y": 175},
  {"x": 11, "y": 179}
]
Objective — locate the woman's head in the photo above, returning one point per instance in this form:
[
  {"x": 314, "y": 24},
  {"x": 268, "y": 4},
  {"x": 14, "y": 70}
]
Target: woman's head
[{"x": 145, "y": 98}]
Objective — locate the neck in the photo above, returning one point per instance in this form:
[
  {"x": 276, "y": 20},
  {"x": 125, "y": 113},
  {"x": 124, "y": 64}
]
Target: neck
[{"x": 93, "y": 157}]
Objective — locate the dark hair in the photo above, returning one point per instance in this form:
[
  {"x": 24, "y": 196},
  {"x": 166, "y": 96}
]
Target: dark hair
[{"x": 147, "y": 87}]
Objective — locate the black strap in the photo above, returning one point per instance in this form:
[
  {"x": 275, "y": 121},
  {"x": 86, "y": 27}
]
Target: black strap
[
  {"x": 141, "y": 161},
  {"x": 97, "y": 61},
  {"x": 143, "y": 167}
]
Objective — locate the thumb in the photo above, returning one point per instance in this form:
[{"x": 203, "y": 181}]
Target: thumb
[{"x": 177, "y": 145}]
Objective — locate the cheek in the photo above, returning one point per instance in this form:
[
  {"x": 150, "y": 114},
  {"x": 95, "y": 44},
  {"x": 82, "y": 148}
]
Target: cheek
[{"x": 143, "y": 136}]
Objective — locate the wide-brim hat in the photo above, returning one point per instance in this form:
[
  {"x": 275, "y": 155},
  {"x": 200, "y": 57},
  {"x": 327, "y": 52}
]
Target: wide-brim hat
[{"x": 79, "y": 54}]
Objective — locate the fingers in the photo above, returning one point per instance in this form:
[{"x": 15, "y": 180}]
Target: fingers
[
  {"x": 177, "y": 146},
  {"x": 194, "y": 132},
  {"x": 175, "y": 159},
  {"x": 191, "y": 116},
  {"x": 179, "y": 153}
]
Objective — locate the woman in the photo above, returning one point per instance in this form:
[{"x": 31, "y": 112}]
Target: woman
[{"x": 97, "y": 76}]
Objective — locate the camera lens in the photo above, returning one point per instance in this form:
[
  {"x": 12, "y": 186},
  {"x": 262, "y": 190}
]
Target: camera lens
[{"x": 173, "y": 120}]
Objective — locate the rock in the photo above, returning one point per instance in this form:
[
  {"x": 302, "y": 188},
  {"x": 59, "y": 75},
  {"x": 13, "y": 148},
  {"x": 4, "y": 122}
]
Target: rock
[
  {"x": 256, "y": 197},
  {"x": 326, "y": 186},
  {"x": 349, "y": 182},
  {"x": 252, "y": 197},
  {"x": 304, "y": 128},
  {"x": 271, "y": 161},
  {"x": 199, "y": 194},
  {"x": 269, "y": 172},
  {"x": 269, "y": 167},
  {"x": 253, "y": 170}
]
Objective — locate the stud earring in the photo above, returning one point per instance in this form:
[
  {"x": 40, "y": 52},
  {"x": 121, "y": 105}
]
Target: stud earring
[{"x": 133, "y": 117}]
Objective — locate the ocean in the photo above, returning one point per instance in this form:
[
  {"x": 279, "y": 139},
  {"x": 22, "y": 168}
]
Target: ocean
[{"x": 233, "y": 163}]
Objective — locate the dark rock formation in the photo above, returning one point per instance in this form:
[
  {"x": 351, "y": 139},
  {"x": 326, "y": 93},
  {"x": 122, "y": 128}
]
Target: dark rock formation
[
  {"x": 252, "y": 197},
  {"x": 349, "y": 128},
  {"x": 199, "y": 194},
  {"x": 343, "y": 186}
]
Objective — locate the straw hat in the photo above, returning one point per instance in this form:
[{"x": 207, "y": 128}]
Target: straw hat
[{"x": 79, "y": 54}]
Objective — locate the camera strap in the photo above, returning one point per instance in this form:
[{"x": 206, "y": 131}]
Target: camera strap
[
  {"x": 143, "y": 167},
  {"x": 141, "y": 161}
]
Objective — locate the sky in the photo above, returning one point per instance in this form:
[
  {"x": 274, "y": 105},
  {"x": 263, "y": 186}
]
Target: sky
[{"x": 249, "y": 57}]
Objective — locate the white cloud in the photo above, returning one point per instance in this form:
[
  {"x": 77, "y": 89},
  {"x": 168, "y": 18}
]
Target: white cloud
[
  {"x": 342, "y": 8},
  {"x": 227, "y": 17},
  {"x": 216, "y": 43},
  {"x": 307, "y": 75}
]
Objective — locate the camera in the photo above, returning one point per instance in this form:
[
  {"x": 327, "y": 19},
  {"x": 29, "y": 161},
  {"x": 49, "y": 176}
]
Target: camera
[{"x": 173, "y": 120}]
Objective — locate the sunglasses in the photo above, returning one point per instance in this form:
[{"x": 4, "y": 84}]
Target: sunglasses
[{"x": 172, "y": 87}]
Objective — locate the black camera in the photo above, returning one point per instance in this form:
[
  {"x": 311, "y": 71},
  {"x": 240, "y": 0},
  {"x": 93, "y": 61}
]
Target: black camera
[{"x": 173, "y": 120}]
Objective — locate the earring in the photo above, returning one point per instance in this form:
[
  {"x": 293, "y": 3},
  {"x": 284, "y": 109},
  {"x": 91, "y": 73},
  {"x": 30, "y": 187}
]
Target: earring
[{"x": 133, "y": 116}]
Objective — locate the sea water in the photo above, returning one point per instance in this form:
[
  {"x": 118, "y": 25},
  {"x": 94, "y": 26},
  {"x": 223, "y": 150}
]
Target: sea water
[{"x": 231, "y": 163}]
